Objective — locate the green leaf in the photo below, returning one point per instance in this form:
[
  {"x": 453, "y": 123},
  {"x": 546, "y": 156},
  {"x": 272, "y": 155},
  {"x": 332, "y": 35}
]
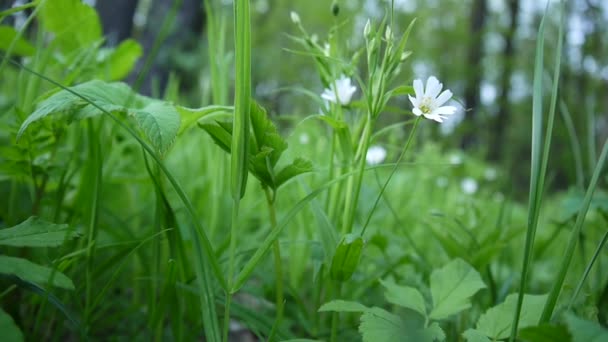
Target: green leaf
[
  {"x": 296, "y": 168},
  {"x": 496, "y": 323},
  {"x": 452, "y": 286},
  {"x": 191, "y": 115},
  {"x": 35, "y": 232},
  {"x": 160, "y": 123},
  {"x": 265, "y": 134},
  {"x": 21, "y": 46},
  {"x": 473, "y": 335},
  {"x": 220, "y": 133},
  {"x": 405, "y": 296},
  {"x": 585, "y": 331},
  {"x": 34, "y": 273},
  {"x": 339, "y": 305},
  {"x": 545, "y": 333},
  {"x": 378, "y": 325},
  {"x": 74, "y": 24},
  {"x": 106, "y": 95},
  {"x": 10, "y": 330},
  {"x": 121, "y": 60},
  {"x": 346, "y": 258}
]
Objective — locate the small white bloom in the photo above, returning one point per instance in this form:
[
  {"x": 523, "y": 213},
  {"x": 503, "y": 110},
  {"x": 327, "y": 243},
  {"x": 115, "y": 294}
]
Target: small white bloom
[
  {"x": 388, "y": 34},
  {"x": 304, "y": 139},
  {"x": 340, "y": 91},
  {"x": 490, "y": 174},
  {"x": 455, "y": 159},
  {"x": 295, "y": 18},
  {"x": 442, "y": 182},
  {"x": 326, "y": 49},
  {"x": 469, "y": 186},
  {"x": 375, "y": 155},
  {"x": 428, "y": 102},
  {"x": 367, "y": 30}
]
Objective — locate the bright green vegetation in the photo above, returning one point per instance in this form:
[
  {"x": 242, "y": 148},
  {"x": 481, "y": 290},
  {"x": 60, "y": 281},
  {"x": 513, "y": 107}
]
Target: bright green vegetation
[{"x": 132, "y": 217}]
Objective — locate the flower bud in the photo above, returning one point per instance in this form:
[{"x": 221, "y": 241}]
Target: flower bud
[
  {"x": 367, "y": 30},
  {"x": 335, "y": 9},
  {"x": 388, "y": 34},
  {"x": 295, "y": 18}
]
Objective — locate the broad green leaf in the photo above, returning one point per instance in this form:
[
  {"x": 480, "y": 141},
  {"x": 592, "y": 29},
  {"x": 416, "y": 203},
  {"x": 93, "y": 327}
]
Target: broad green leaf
[
  {"x": 160, "y": 123},
  {"x": 21, "y": 46},
  {"x": 473, "y": 335},
  {"x": 107, "y": 95},
  {"x": 496, "y": 322},
  {"x": 35, "y": 232},
  {"x": 405, "y": 296},
  {"x": 585, "y": 331},
  {"x": 343, "y": 306},
  {"x": 378, "y": 325},
  {"x": 74, "y": 24},
  {"x": 34, "y": 273},
  {"x": 452, "y": 287},
  {"x": 545, "y": 333},
  {"x": 346, "y": 258},
  {"x": 296, "y": 168},
  {"x": 191, "y": 115},
  {"x": 121, "y": 60},
  {"x": 10, "y": 330}
]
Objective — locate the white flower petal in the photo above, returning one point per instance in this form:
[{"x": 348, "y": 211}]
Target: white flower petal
[
  {"x": 418, "y": 89},
  {"x": 433, "y": 87},
  {"x": 415, "y": 102},
  {"x": 445, "y": 110},
  {"x": 417, "y": 111},
  {"x": 443, "y": 98},
  {"x": 329, "y": 95}
]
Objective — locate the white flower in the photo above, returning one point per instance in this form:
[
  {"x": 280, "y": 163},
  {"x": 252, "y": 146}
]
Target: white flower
[
  {"x": 326, "y": 49},
  {"x": 340, "y": 91},
  {"x": 375, "y": 155},
  {"x": 428, "y": 103},
  {"x": 469, "y": 186},
  {"x": 490, "y": 174},
  {"x": 455, "y": 159},
  {"x": 295, "y": 18},
  {"x": 304, "y": 139}
]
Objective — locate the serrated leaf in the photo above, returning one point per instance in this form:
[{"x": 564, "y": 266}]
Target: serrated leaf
[
  {"x": 473, "y": 335},
  {"x": 496, "y": 322},
  {"x": 10, "y": 330},
  {"x": 343, "y": 306},
  {"x": 74, "y": 24},
  {"x": 21, "y": 47},
  {"x": 32, "y": 272},
  {"x": 545, "y": 333},
  {"x": 35, "y": 232},
  {"x": 106, "y": 95},
  {"x": 160, "y": 123},
  {"x": 121, "y": 61},
  {"x": 265, "y": 134},
  {"x": 296, "y": 168},
  {"x": 585, "y": 331},
  {"x": 191, "y": 115},
  {"x": 452, "y": 287},
  {"x": 378, "y": 325},
  {"x": 405, "y": 296}
]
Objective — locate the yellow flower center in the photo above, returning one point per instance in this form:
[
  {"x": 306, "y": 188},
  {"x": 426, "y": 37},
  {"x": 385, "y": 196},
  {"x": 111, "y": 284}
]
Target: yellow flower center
[{"x": 426, "y": 105}]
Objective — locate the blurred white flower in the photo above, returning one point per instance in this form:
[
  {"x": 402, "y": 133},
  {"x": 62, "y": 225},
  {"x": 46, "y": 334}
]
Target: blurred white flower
[
  {"x": 428, "y": 102},
  {"x": 455, "y": 159},
  {"x": 340, "y": 91},
  {"x": 326, "y": 49},
  {"x": 490, "y": 174},
  {"x": 304, "y": 139},
  {"x": 469, "y": 186},
  {"x": 441, "y": 182},
  {"x": 375, "y": 155},
  {"x": 295, "y": 18}
]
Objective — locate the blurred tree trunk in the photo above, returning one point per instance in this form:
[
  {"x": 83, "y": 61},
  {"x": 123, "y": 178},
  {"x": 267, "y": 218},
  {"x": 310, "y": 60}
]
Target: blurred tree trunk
[
  {"x": 116, "y": 18},
  {"x": 188, "y": 23},
  {"x": 479, "y": 11},
  {"x": 500, "y": 123}
]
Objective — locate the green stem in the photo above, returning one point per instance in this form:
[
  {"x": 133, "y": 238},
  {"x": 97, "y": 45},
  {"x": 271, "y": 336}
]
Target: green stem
[
  {"x": 595, "y": 257},
  {"x": 231, "y": 265},
  {"x": 335, "y": 316},
  {"x": 390, "y": 176},
  {"x": 278, "y": 269},
  {"x": 353, "y": 188}
]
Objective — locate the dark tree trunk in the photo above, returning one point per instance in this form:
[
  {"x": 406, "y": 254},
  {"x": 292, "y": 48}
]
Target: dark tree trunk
[
  {"x": 500, "y": 123},
  {"x": 471, "y": 97},
  {"x": 186, "y": 26},
  {"x": 116, "y": 18}
]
